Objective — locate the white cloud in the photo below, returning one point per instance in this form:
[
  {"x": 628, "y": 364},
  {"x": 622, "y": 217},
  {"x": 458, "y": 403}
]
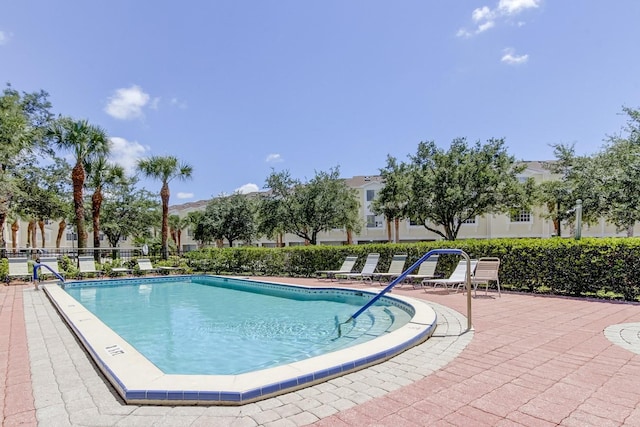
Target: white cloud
[
  {"x": 481, "y": 13},
  {"x": 247, "y": 188},
  {"x": 463, "y": 33},
  {"x": 127, "y": 103},
  {"x": 511, "y": 58},
  {"x": 513, "y": 7},
  {"x": 274, "y": 158},
  {"x": 485, "y": 18},
  {"x": 484, "y": 27},
  {"x": 4, "y": 38},
  {"x": 126, "y": 153},
  {"x": 181, "y": 195}
]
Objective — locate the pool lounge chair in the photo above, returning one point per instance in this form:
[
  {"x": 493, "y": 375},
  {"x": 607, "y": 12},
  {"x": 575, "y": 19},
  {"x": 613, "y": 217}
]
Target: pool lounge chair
[
  {"x": 87, "y": 265},
  {"x": 18, "y": 269},
  {"x": 346, "y": 267},
  {"x": 459, "y": 275},
  {"x": 427, "y": 270},
  {"x": 367, "y": 272},
  {"x": 52, "y": 263},
  {"x": 145, "y": 266},
  {"x": 395, "y": 268},
  {"x": 486, "y": 271},
  {"x": 166, "y": 269}
]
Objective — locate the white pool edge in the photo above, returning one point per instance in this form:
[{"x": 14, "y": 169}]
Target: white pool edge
[{"x": 138, "y": 381}]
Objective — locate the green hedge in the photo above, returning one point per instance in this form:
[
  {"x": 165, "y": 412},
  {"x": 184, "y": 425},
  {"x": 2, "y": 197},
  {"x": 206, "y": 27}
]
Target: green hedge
[{"x": 603, "y": 268}]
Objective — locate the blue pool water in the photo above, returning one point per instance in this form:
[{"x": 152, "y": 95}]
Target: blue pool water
[{"x": 220, "y": 326}]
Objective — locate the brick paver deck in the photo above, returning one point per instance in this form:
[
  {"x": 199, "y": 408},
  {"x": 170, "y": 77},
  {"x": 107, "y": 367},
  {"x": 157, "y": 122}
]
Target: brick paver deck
[
  {"x": 17, "y": 395},
  {"x": 530, "y": 361}
]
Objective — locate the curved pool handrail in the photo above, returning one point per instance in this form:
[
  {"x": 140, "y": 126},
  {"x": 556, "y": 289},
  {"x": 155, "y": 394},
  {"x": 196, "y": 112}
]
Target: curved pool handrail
[
  {"x": 37, "y": 265},
  {"x": 404, "y": 274}
]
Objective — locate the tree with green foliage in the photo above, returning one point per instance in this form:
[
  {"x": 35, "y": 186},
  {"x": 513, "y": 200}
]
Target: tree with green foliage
[
  {"x": 23, "y": 120},
  {"x": 231, "y": 218},
  {"x": 615, "y": 176},
  {"x": 306, "y": 209},
  {"x": 453, "y": 186},
  {"x": 128, "y": 211},
  {"x": 100, "y": 173},
  {"x": 560, "y": 195},
  {"x": 165, "y": 169},
  {"x": 86, "y": 142},
  {"x": 392, "y": 200},
  {"x": 176, "y": 225},
  {"x": 198, "y": 227},
  {"x": 44, "y": 194}
]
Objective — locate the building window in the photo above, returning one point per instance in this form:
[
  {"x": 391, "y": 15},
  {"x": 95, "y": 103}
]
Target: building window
[
  {"x": 471, "y": 220},
  {"x": 371, "y": 194},
  {"x": 72, "y": 237},
  {"x": 521, "y": 216},
  {"x": 371, "y": 221}
]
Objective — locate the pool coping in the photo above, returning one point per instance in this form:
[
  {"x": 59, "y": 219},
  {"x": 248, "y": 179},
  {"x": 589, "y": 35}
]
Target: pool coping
[{"x": 138, "y": 381}]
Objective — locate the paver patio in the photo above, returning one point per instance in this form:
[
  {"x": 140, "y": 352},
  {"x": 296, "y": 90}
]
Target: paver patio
[{"x": 531, "y": 360}]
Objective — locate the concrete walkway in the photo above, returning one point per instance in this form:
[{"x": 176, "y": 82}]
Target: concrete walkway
[{"x": 530, "y": 361}]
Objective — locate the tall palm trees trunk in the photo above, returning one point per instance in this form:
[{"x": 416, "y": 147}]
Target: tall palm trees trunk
[
  {"x": 397, "y": 225},
  {"x": 3, "y": 218},
  {"x": 41, "y": 227},
  {"x": 14, "y": 235},
  {"x": 62, "y": 225},
  {"x": 31, "y": 234},
  {"x": 96, "y": 204},
  {"x": 164, "y": 196},
  {"x": 78, "y": 177}
]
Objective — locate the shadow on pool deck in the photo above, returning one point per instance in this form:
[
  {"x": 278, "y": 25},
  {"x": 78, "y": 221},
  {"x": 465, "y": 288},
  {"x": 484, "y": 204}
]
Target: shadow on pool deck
[{"x": 532, "y": 360}]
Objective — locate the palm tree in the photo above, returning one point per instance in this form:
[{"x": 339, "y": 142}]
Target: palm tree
[
  {"x": 100, "y": 173},
  {"x": 164, "y": 169},
  {"x": 176, "y": 225},
  {"x": 87, "y": 142}
]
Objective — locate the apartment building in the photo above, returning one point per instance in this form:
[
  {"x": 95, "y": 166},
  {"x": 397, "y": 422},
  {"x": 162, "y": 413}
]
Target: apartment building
[{"x": 524, "y": 224}]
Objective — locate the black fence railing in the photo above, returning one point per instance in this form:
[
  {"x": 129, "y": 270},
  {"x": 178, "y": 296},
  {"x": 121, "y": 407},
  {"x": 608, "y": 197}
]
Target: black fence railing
[{"x": 102, "y": 254}]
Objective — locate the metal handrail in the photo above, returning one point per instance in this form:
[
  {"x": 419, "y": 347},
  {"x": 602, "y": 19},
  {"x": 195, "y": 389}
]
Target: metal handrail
[
  {"x": 404, "y": 274},
  {"x": 36, "y": 266}
]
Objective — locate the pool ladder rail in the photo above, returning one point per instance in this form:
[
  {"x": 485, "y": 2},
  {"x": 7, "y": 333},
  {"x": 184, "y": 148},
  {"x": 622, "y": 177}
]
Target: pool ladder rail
[
  {"x": 37, "y": 266},
  {"x": 404, "y": 274}
]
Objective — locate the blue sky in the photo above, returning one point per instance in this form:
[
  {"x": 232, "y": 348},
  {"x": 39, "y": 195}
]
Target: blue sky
[{"x": 236, "y": 88}]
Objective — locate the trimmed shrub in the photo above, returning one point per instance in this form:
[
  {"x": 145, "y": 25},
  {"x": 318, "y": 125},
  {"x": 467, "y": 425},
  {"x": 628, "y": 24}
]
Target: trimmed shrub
[{"x": 592, "y": 267}]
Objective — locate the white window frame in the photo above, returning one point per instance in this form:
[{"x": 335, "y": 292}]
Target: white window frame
[{"x": 522, "y": 217}]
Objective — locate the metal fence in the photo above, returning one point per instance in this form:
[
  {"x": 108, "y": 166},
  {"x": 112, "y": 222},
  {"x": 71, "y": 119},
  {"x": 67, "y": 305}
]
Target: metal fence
[{"x": 103, "y": 254}]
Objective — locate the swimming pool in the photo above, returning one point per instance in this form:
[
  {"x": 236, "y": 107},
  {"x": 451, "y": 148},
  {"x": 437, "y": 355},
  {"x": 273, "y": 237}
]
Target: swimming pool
[
  {"x": 230, "y": 328},
  {"x": 139, "y": 380}
]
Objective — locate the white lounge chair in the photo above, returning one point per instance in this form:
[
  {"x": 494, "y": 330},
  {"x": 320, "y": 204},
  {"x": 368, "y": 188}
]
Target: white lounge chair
[
  {"x": 346, "y": 267},
  {"x": 145, "y": 266},
  {"x": 87, "y": 265},
  {"x": 395, "y": 268},
  {"x": 367, "y": 271},
  {"x": 486, "y": 271},
  {"x": 427, "y": 270},
  {"x": 18, "y": 268},
  {"x": 459, "y": 275},
  {"x": 52, "y": 270}
]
